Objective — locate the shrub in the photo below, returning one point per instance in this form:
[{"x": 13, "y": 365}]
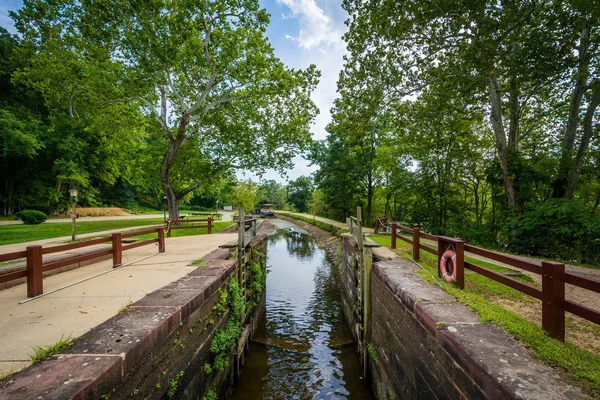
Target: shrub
[
  {"x": 31, "y": 217},
  {"x": 557, "y": 228}
]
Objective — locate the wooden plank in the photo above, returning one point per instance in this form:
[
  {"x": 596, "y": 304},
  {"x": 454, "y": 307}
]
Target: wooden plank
[
  {"x": 139, "y": 244},
  {"x": 428, "y": 249},
  {"x": 504, "y": 258},
  {"x": 512, "y": 283},
  {"x": 582, "y": 282},
  {"x": 583, "y": 311},
  {"x": 139, "y": 233},
  {"x": 77, "y": 259},
  {"x": 402, "y": 237},
  {"x": 73, "y": 246},
  {"x": 13, "y": 256},
  {"x": 429, "y": 236},
  {"x": 11, "y": 276}
]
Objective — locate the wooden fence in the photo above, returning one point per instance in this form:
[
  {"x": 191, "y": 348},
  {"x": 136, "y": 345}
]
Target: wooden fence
[
  {"x": 35, "y": 265},
  {"x": 554, "y": 276},
  {"x": 193, "y": 223}
]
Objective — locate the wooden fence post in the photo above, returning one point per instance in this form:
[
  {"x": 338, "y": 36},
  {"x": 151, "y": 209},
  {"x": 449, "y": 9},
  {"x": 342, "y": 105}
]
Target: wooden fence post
[
  {"x": 35, "y": 273},
  {"x": 209, "y": 225},
  {"x": 553, "y": 299},
  {"x": 394, "y": 228},
  {"x": 117, "y": 250},
  {"x": 416, "y": 250},
  {"x": 458, "y": 246},
  {"x": 161, "y": 239}
]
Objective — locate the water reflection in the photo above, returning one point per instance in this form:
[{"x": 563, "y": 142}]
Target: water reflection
[{"x": 303, "y": 349}]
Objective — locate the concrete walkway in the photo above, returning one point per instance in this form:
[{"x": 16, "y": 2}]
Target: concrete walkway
[
  {"x": 326, "y": 220},
  {"x": 75, "y": 310}
]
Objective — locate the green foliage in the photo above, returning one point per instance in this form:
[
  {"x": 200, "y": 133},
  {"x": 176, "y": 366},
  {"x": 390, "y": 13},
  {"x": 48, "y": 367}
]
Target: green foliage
[
  {"x": 31, "y": 217},
  {"x": 210, "y": 395},
  {"x": 373, "y": 353},
  {"x": 259, "y": 277},
  {"x": 557, "y": 228},
  {"x": 43, "y": 352},
  {"x": 299, "y": 193},
  {"x": 173, "y": 384}
]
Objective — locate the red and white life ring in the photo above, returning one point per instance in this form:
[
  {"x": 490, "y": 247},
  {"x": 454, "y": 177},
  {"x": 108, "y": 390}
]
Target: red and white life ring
[{"x": 448, "y": 254}]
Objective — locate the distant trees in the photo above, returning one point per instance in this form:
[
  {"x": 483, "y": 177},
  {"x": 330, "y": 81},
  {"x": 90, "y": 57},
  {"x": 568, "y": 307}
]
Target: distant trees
[
  {"x": 299, "y": 193},
  {"x": 201, "y": 77}
]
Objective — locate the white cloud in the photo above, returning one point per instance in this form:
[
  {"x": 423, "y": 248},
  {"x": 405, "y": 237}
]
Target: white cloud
[{"x": 315, "y": 26}]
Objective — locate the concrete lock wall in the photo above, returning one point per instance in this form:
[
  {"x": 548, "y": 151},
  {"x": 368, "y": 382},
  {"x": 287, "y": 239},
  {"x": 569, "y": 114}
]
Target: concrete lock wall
[
  {"x": 426, "y": 345},
  {"x": 140, "y": 353}
]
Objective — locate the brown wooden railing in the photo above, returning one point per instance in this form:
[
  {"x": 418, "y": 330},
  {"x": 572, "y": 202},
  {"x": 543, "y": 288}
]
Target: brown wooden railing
[
  {"x": 193, "y": 223},
  {"x": 35, "y": 265},
  {"x": 554, "y": 276}
]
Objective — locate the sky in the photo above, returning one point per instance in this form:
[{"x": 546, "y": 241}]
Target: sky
[{"x": 302, "y": 32}]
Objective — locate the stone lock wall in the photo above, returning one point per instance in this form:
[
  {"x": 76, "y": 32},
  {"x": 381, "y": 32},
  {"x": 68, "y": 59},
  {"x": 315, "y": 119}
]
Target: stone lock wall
[
  {"x": 426, "y": 345},
  {"x": 140, "y": 353}
]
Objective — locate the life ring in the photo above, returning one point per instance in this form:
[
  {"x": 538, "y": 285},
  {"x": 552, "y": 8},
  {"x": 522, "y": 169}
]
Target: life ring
[{"x": 448, "y": 254}]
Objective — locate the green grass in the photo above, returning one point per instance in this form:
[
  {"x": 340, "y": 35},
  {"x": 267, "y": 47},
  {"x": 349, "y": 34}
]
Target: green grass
[
  {"x": 217, "y": 227},
  {"x": 8, "y": 218},
  {"x": 334, "y": 230},
  {"x": 579, "y": 365},
  {"x": 10, "y": 234},
  {"x": 7, "y": 263},
  {"x": 43, "y": 352}
]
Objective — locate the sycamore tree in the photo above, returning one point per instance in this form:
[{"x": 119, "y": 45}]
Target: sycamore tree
[{"x": 204, "y": 71}]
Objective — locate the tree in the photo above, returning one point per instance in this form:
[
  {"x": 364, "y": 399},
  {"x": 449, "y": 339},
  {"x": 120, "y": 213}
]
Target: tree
[
  {"x": 244, "y": 195},
  {"x": 500, "y": 56},
  {"x": 204, "y": 71},
  {"x": 271, "y": 192},
  {"x": 299, "y": 192}
]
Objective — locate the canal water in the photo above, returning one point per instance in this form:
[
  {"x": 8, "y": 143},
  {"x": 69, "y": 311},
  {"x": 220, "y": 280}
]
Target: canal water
[{"x": 303, "y": 348}]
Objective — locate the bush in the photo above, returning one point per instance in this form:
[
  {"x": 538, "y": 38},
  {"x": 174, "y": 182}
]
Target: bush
[
  {"x": 557, "y": 228},
  {"x": 31, "y": 217}
]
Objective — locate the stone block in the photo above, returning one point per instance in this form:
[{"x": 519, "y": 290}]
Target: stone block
[{"x": 66, "y": 377}]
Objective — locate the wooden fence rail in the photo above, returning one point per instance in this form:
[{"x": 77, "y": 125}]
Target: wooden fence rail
[
  {"x": 179, "y": 224},
  {"x": 35, "y": 265},
  {"x": 554, "y": 276}
]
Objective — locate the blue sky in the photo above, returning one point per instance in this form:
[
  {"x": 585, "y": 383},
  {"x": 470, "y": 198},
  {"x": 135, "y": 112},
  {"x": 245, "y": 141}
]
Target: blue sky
[{"x": 302, "y": 32}]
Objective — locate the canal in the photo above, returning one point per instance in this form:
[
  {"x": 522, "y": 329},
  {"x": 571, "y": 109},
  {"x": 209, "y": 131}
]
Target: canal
[{"x": 303, "y": 348}]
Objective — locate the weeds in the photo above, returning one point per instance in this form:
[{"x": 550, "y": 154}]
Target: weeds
[{"x": 43, "y": 352}]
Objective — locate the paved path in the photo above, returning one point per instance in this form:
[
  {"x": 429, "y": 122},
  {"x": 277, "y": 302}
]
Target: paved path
[
  {"x": 227, "y": 216},
  {"x": 77, "y": 309},
  {"x": 325, "y": 220}
]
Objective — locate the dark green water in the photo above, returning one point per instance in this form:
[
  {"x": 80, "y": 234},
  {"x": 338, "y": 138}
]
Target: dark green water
[{"x": 303, "y": 348}]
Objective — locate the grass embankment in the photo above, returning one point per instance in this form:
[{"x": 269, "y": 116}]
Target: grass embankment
[
  {"x": 484, "y": 296},
  {"x": 10, "y": 234},
  {"x": 335, "y": 230}
]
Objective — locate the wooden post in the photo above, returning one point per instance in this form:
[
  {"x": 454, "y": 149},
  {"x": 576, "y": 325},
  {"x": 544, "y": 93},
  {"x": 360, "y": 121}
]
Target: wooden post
[
  {"x": 117, "y": 250},
  {"x": 394, "y": 228},
  {"x": 161, "y": 240},
  {"x": 553, "y": 299},
  {"x": 169, "y": 230},
  {"x": 416, "y": 250},
  {"x": 209, "y": 225},
  {"x": 241, "y": 251},
  {"x": 458, "y": 245},
  {"x": 35, "y": 276}
]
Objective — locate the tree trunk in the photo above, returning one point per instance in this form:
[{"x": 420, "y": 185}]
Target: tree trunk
[
  {"x": 169, "y": 157},
  {"x": 585, "y": 141},
  {"x": 501, "y": 144},
  {"x": 566, "y": 159}
]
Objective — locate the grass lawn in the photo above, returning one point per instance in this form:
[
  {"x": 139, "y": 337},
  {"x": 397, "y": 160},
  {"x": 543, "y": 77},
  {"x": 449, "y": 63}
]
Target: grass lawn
[
  {"x": 484, "y": 296},
  {"x": 24, "y": 233},
  {"x": 217, "y": 227}
]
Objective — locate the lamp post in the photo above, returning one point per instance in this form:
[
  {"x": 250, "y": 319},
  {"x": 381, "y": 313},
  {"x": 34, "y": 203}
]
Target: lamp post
[
  {"x": 164, "y": 208},
  {"x": 73, "y": 192}
]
